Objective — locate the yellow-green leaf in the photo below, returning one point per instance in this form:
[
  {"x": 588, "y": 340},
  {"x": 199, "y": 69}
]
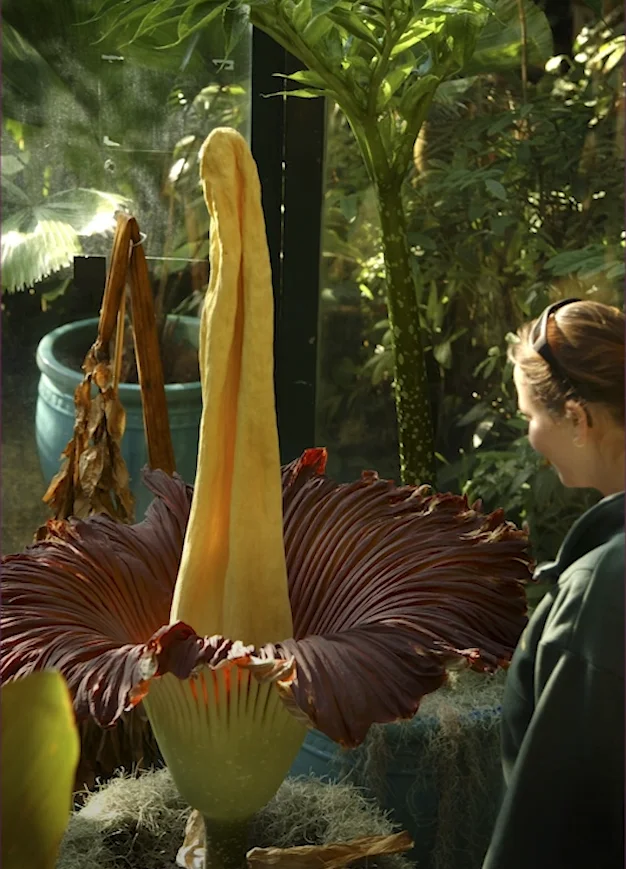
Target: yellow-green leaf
[{"x": 40, "y": 749}]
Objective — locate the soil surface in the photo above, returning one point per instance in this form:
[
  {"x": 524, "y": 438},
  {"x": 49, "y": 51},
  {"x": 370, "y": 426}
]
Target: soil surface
[
  {"x": 23, "y": 484},
  {"x": 179, "y": 359}
]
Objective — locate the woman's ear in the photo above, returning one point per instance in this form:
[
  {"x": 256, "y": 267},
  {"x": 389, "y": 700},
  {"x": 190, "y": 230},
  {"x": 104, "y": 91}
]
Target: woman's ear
[{"x": 579, "y": 417}]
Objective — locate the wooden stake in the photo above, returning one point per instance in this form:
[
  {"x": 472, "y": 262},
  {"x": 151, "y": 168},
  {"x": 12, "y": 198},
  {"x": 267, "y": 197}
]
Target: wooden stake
[{"x": 149, "y": 366}]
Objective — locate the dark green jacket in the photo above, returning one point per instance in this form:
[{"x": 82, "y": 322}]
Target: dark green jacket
[{"x": 563, "y": 711}]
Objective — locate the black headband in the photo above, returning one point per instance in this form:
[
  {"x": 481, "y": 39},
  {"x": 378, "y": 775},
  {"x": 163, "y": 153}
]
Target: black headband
[{"x": 541, "y": 345}]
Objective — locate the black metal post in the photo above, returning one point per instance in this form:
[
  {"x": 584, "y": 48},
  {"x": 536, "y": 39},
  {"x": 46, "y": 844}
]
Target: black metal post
[{"x": 288, "y": 139}]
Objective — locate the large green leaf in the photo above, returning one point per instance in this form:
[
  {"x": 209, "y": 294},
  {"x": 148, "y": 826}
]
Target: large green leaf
[
  {"x": 352, "y": 24},
  {"x": 455, "y": 7},
  {"x": 40, "y": 239},
  {"x": 40, "y": 749},
  {"x": 464, "y": 28},
  {"x": 499, "y": 45}
]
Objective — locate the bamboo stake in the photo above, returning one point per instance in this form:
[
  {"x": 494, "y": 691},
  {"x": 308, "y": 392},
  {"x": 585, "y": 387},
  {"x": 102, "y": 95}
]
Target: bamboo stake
[{"x": 147, "y": 352}]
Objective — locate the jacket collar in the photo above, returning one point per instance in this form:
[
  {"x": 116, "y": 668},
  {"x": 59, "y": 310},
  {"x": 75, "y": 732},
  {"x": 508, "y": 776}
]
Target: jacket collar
[{"x": 592, "y": 529}]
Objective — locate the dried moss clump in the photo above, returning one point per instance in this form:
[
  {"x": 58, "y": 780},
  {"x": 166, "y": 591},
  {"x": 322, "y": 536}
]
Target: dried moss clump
[
  {"x": 451, "y": 768},
  {"x": 138, "y": 823}
]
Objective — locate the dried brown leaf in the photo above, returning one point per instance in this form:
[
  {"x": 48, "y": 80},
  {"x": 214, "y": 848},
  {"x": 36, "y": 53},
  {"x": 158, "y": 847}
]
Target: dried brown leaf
[
  {"x": 120, "y": 484},
  {"x": 191, "y": 854},
  {"x": 94, "y": 463},
  {"x": 95, "y": 417},
  {"x": 115, "y": 417},
  {"x": 94, "y": 477},
  {"x": 58, "y": 495},
  {"x": 102, "y": 376},
  {"x": 90, "y": 467},
  {"x": 328, "y": 856}
]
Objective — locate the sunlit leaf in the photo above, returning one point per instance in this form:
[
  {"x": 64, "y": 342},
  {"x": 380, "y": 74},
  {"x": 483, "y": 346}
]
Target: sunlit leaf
[
  {"x": 402, "y": 69},
  {"x": 305, "y": 93},
  {"x": 40, "y": 751},
  {"x": 304, "y": 76},
  {"x": 417, "y": 32},
  {"x": 301, "y": 14},
  {"x": 456, "y": 7},
  {"x": 40, "y": 239}
]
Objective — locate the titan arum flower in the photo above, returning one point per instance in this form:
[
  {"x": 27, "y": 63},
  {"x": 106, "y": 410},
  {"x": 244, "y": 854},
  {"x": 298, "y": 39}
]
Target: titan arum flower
[{"x": 261, "y": 601}]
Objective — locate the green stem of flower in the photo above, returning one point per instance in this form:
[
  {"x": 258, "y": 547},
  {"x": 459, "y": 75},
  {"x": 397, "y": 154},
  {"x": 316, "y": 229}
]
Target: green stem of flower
[
  {"x": 414, "y": 414},
  {"x": 226, "y": 844}
]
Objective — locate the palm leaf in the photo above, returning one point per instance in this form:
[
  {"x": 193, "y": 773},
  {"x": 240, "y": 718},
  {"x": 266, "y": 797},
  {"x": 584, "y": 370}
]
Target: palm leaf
[{"x": 38, "y": 240}]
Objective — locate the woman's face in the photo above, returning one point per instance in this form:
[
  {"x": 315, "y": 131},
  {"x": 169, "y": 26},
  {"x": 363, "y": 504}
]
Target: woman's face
[{"x": 557, "y": 439}]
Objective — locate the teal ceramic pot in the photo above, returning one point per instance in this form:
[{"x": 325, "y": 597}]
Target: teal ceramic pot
[
  {"x": 444, "y": 791},
  {"x": 55, "y": 407}
]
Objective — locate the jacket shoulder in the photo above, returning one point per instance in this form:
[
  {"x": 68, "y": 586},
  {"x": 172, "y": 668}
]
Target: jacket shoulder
[{"x": 587, "y": 618}]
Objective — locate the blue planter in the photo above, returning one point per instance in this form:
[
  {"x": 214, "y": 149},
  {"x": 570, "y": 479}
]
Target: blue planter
[
  {"x": 55, "y": 408},
  {"x": 398, "y": 769}
]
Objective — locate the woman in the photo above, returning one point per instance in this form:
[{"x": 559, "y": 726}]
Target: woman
[{"x": 563, "y": 709}]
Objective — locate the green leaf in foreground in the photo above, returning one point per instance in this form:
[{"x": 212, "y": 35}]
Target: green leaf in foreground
[{"x": 40, "y": 749}]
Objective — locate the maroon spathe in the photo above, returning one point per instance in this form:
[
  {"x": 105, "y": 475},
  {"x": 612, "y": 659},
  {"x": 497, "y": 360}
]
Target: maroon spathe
[{"x": 388, "y": 585}]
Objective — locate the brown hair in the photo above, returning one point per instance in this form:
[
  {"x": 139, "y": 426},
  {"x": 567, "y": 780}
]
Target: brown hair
[{"x": 587, "y": 340}]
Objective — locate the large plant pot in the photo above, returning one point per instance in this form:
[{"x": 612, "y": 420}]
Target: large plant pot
[
  {"x": 439, "y": 777},
  {"x": 55, "y": 407}
]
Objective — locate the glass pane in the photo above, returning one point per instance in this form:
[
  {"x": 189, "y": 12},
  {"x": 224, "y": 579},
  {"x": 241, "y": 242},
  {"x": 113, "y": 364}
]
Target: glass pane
[
  {"x": 355, "y": 408},
  {"x": 91, "y": 127}
]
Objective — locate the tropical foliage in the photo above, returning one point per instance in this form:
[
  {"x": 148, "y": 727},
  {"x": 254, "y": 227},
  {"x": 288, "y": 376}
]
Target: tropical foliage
[{"x": 509, "y": 205}]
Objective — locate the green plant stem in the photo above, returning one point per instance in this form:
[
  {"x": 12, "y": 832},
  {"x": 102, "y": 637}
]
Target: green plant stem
[
  {"x": 226, "y": 844},
  {"x": 415, "y": 427},
  {"x": 382, "y": 64},
  {"x": 524, "y": 58}
]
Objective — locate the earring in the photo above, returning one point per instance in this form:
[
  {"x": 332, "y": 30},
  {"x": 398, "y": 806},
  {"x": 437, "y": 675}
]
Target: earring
[{"x": 577, "y": 443}]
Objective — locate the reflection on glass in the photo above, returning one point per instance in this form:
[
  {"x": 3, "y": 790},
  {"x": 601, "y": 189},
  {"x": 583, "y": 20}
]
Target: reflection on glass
[
  {"x": 355, "y": 408},
  {"x": 90, "y": 127},
  {"x": 93, "y": 124}
]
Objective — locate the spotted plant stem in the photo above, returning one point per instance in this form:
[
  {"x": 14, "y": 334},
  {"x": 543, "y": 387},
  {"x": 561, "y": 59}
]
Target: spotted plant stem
[{"x": 414, "y": 414}]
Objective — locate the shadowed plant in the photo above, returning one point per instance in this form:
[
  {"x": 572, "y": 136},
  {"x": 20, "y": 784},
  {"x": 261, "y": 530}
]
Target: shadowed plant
[{"x": 259, "y": 602}]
